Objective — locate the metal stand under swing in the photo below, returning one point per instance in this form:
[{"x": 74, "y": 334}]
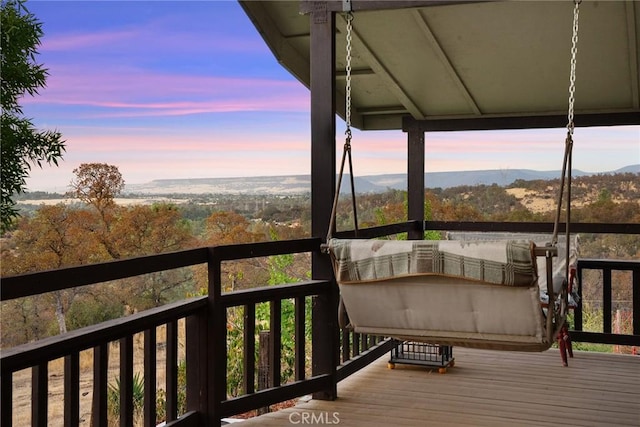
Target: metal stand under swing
[{"x": 422, "y": 354}]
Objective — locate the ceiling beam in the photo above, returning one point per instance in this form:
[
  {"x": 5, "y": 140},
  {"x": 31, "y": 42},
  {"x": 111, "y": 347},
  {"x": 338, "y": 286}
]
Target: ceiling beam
[
  {"x": 520, "y": 122},
  {"x": 308, "y": 6},
  {"x": 383, "y": 110},
  {"x": 444, "y": 59},
  {"x": 392, "y": 84},
  {"x": 633, "y": 53},
  {"x": 342, "y": 74}
]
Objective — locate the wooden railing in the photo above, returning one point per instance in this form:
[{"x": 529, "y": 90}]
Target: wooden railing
[
  {"x": 608, "y": 335},
  {"x": 205, "y": 335},
  {"x": 205, "y": 320}
]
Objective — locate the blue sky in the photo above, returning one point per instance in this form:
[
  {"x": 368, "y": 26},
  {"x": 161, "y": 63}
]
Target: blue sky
[{"x": 188, "y": 89}]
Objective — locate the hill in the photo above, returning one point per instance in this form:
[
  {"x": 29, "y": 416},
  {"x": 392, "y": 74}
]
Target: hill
[{"x": 301, "y": 184}]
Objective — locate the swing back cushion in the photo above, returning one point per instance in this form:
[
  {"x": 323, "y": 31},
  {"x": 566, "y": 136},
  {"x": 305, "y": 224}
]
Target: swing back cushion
[{"x": 473, "y": 294}]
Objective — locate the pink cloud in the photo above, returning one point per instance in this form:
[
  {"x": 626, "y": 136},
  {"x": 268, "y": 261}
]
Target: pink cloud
[
  {"x": 135, "y": 93},
  {"x": 77, "y": 41},
  {"x": 159, "y": 36}
]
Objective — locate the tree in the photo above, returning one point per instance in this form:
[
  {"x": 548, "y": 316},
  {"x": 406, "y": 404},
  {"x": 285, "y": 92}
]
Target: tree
[
  {"x": 97, "y": 184},
  {"x": 21, "y": 144},
  {"x": 55, "y": 237},
  {"x": 145, "y": 230}
]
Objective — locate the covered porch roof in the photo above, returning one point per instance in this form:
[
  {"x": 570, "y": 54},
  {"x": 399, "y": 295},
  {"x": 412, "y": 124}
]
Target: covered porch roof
[{"x": 457, "y": 65}]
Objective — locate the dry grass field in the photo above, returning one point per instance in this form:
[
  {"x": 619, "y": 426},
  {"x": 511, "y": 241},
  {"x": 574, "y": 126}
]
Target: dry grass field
[{"x": 22, "y": 380}]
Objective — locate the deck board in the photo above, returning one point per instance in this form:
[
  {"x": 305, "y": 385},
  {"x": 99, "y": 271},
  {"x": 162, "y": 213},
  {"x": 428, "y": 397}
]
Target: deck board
[{"x": 484, "y": 388}]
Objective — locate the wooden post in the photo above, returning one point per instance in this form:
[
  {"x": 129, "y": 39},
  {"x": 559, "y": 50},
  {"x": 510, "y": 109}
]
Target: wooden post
[
  {"x": 415, "y": 177},
  {"x": 264, "y": 364},
  {"x": 325, "y": 350}
]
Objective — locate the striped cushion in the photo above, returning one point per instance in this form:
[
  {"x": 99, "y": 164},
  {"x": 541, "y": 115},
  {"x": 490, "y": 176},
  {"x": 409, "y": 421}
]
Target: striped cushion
[{"x": 509, "y": 263}]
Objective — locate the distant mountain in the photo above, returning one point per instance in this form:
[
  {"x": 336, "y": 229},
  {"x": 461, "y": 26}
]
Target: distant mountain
[{"x": 301, "y": 184}]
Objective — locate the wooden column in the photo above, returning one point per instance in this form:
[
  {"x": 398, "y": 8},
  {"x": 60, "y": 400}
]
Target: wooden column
[
  {"x": 415, "y": 177},
  {"x": 323, "y": 182},
  {"x": 217, "y": 340}
]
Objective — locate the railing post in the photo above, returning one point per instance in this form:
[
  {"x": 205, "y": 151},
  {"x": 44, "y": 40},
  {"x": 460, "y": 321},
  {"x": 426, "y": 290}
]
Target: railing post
[
  {"x": 217, "y": 341},
  {"x": 323, "y": 186},
  {"x": 415, "y": 177}
]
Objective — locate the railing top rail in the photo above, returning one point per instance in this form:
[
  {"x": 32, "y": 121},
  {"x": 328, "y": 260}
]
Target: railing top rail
[
  {"x": 262, "y": 249},
  {"x": 533, "y": 227},
  {"x": 29, "y": 284},
  {"x": 270, "y": 293},
  {"x": 54, "y": 280},
  {"x": 51, "y": 348},
  {"x": 380, "y": 231},
  {"x": 632, "y": 264}
]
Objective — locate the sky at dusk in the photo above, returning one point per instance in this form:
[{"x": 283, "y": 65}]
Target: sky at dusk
[{"x": 188, "y": 89}]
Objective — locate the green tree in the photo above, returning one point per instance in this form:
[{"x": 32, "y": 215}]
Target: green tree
[{"x": 22, "y": 144}]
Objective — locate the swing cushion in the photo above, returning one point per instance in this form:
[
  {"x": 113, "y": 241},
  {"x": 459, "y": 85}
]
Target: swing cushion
[
  {"x": 510, "y": 263},
  {"x": 472, "y": 294},
  {"x": 559, "y": 262}
]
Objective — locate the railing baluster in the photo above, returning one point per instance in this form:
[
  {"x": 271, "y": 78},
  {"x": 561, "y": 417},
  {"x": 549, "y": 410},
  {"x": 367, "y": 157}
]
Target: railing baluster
[
  {"x": 249, "y": 359},
  {"x": 356, "y": 344},
  {"x": 39, "y": 395},
  {"x": 364, "y": 343},
  {"x": 150, "y": 364},
  {"x": 100, "y": 368},
  {"x": 6, "y": 403},
  {"x": 578, "y": 310},
  {"x": 300, "y": 339},
  {"x": 606, "y": 300},
  {"x": 172, "y": 371},
  {"x": 126, "y": 381},
  {"x": 197, "y": 362},
  {"x": 276, "y": 341},
  {"x": 72, "y": 390},
  {"x": 636, "y": 300},
  {"x": 346, "y": 346}
]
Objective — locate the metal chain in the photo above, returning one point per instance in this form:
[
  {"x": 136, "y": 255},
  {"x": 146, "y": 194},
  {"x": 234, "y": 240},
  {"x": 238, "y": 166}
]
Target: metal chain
[
  {"x": 568, "y": 148},
  {"x": 572, "y": 76},
  {"x": 348, "y": 75}
]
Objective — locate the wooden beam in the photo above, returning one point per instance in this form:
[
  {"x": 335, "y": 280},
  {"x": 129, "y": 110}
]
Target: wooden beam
[
  {"x": 520, "y": 122},
  {"x": 633, "y": 53},
  {"x": 307, "y": 6},
  {"x": 376, "y": 65},
  {"x": 415, "y": 180},
  {"x": 323, "y": 188},
  {"x": 421, "y": 20}
]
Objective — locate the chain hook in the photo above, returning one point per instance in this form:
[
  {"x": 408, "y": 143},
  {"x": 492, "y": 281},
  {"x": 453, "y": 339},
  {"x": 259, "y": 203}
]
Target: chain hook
[
  {"x": 572, "y": 75},
  {"x": 348, "y": 71}
]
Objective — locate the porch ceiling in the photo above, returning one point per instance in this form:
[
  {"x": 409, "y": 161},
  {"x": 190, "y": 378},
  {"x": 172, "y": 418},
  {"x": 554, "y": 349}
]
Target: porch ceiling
[{"x": 479, "y": 60}]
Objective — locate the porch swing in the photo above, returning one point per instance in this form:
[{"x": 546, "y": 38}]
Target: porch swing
[{"x": 471, "y": 290}]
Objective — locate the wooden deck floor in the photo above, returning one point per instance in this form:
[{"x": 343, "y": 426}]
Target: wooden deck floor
[{"x": 484, "y": 388}]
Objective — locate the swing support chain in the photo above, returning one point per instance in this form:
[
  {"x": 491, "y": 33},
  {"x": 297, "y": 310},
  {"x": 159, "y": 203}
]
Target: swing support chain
[
  {"x": 565, "y": 179},
  {"x": 566, "y": 164},
  {"x": 347, "y": 144}
]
